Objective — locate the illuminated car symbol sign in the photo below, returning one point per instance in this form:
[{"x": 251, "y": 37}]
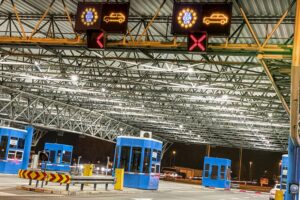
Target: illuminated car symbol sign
[
  {"x": 216, "y": 18},
  {"x": 89, "y": 16},
  {"x": 115, "y": 17},
  {"x": 187, "y": 18}
]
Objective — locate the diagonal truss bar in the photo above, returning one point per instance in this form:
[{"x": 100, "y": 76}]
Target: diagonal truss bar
[{"x": 47, "y": 113}]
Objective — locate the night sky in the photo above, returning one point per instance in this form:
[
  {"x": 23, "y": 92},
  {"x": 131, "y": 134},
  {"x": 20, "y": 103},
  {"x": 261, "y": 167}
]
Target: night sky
[{"x": 187, "y": 155}]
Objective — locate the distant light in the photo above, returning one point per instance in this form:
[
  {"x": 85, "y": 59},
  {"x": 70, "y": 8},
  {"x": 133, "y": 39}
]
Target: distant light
[
  {"x": 121, "y": 129},
  {"x": 143, "y": 106},
  {"x": 74, "y": 78},
  {"x": 102, "y": 169},
  {"x": 36, "y": 63},
  {"x": 225, "y": 97},
  {"x": 190, "y": 132},
  {"x": 180, "y": 126},
  {"x": 103, "y": 89},
  {"x": 174, "y": 152},
  {"x": 270, "y": 114}
]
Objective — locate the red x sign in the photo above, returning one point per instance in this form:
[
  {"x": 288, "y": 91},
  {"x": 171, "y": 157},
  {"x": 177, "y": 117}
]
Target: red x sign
[
  {"x": 197, "y": 42},
  {"x": 95, "y": 39}
]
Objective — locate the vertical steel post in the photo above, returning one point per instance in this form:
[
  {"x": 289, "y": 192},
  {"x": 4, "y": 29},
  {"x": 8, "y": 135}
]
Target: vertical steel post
[
  {"x": 208, "y": 150},
  {"x": 295, "y": 72},
  {"x": 240, "y": 167}
]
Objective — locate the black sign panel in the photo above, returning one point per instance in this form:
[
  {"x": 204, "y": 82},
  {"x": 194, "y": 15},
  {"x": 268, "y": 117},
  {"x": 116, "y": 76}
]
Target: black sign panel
[
  {"x": 213, "y": 18},
  {"x": 96, "y": 39},
  {"x": 216, "y": 19},
  {"x": 114, "y": 17},
  {"x": 197, "y": 42},
  {"x": 88, "y": 17},
  {"x": 186, "y": 18}
]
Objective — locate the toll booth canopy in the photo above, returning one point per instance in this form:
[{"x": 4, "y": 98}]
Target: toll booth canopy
[
  {"x": 284, "y": 171},
  {"x": 216, "y": 172},
  {"x": 140, "y": 158},
  {"x": 15, "y": 145},
  {"x": 60, "y": 157}
]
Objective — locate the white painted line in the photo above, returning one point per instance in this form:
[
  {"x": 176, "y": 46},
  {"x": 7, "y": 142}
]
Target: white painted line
[{"x": 6, "y": 194}]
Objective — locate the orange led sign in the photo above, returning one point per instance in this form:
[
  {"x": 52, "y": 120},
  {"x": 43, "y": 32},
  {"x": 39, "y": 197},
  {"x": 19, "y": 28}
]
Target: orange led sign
[
  {"x": 89, "y": 16},
  {"x": 114, "y": 17},
  {"x": 187, "y": 18},
  {"x": 216, "y": 18}
]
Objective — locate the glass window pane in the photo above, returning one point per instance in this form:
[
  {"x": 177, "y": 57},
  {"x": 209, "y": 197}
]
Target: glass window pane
[
  {"x": 223, "y": 169},
  {"x": 21, "y": 143},
  {"x": 136, "y": 159},
  {"x": 66, "y": 157},
  {"x": 147, "y": 157},
  {"x": 154, "y": 155},
  {"x": 3, "y": 147},
  {"x": 19, "y": 155},
  {"x": 206, "y": 167},
  {"x": 153, "y": 169},
  {"x": 214, "y": 172},
  {"x": 11, "y": 155},
  {"x": 116, "y": 157},
  {"x": 157, "y": 168},
  {"x": 124, "y": 160},
  {"x": 206, "y": 174},
  {"x": 13, "y": 142},
  {"x": 158, "y": 156},
  {"x": 51, "y": 156}
]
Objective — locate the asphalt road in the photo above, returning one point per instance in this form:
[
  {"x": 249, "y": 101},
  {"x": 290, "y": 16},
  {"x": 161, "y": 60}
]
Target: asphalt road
[{"x": 168, "y": 191}]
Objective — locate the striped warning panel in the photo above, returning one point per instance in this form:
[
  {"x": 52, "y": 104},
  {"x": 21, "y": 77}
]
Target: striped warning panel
[
  {"x": 43, "y": 176},
  {"x": 33, "y": 175},
  {"x": 59, "y": 178}
]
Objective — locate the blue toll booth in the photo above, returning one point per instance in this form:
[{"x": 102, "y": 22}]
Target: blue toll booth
[
  {"x": 216, "y": 172},
  {"x": 284, "y": 171},
  {"x": 15, "y": 145},
  {"x": 60, "y": 157},
  {"x": 140, "y": 158}
]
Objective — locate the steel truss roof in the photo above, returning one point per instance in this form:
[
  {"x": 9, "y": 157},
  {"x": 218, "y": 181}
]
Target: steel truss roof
[{"x": 235, "y": 95}]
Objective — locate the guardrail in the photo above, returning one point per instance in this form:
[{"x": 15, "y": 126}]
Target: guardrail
[
  {"x": 64, "y": 179},
  {"x": 82, "y": 180}
]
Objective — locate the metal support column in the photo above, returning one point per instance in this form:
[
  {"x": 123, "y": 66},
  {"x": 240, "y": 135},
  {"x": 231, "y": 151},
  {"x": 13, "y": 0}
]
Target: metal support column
[
  {"x": 295, "y": 73},
  {"x": 240, "y": 166}
]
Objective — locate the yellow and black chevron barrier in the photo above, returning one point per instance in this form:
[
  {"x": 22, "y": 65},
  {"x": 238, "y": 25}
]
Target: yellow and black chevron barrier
[{"x": 43, "y": 176}]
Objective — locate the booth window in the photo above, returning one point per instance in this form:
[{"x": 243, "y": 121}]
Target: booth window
[
  {"x": 66, "y": 157},
  {"x": 124, "y": 158},
  {"x": 154, "y": 155},
  {"x": 13, "y": 143},
  {"x": 21, "y": 143},
  {"x": 19, "y": 155},
  {"x": 206, "y": 170},
  {"x": 214, "y": 172},
  {"x": 157, "y": 168},
  {"x": 147, "y": 157},
  {"x": 158, "y": 156},
  {"x": 116, "y": 157},
  {"x": 52, "y": 156},
  {"x": 223, "y": 170},
  {"x": 3, "y": 147},
  {"x": 136, "y": 159},
  {"x": 153, "y": 169}
]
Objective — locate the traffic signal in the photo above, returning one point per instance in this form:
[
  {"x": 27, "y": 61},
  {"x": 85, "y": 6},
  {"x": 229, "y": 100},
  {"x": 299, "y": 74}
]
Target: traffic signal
[
  {"x": 96, "y": 39},
  {"x": 197, "y": 42}
]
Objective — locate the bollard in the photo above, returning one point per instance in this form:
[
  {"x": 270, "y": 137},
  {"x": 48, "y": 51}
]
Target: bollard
[
  {"x": 88, "y": 169},
  {"x": 279, "y": 195},
  {"x": 119, "y": 179}
]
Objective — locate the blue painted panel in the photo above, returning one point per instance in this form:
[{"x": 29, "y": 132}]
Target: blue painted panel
[
  {"x": 147, "y": 181},
  {"x": 216, "y": 181},
  {"x": 58, "y": 164},
  {"x": 12, "y": 166},
  {"x": 141, "y": 181}
]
